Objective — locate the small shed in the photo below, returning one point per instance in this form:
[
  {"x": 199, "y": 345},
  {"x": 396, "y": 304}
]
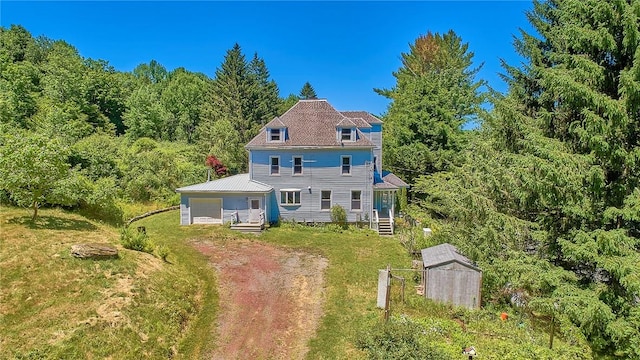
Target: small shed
[{"x": 450, "y": 277}]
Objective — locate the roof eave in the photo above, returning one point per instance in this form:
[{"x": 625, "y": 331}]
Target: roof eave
[
  {"x": 223, "y": 191},
  {"x": 313, "y": 147}
]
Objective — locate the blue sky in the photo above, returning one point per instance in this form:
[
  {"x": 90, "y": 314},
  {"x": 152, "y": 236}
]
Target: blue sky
[{"x": 344, "y": 49}]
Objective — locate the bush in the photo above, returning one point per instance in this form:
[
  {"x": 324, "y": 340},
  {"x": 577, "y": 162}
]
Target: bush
[
  {"x": 163, "y": 252},
  {"x": 334, "y": 228},
  {"x": 339, "y": 216},
  {"x": 135, "y": 240},
  {"x": 398, "y": 339}
]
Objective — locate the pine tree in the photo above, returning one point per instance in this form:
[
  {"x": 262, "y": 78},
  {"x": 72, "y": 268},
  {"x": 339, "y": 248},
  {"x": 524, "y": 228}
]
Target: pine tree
[
  {"x": 266, "y": 93},
  {"x": 242, "y": 96},
  {"x": 307, "y": 92},
  {"x": 572, "y": 114}
]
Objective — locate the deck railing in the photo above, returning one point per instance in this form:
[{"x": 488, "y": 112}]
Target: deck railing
[
  {"x": 376, "y": 219},
  {"x": 235, "y": 218}
]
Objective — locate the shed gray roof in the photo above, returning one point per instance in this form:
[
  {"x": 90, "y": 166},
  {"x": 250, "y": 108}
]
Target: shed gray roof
[
  {"x": 312, "y": 123},
  {"x": 442, "y": 254},
  {"x": 233, "y": 184}
]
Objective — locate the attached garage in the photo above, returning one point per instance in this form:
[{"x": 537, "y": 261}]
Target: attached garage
[
  {"x": 236, "y": 199},
  {"x": 205, "y": 211}
]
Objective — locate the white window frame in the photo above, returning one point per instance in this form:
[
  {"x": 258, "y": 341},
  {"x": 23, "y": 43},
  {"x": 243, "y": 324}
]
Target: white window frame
[
  {"x": 323, "y": 199},
  {"x": 342, "y": 157},
  {"x": 343, "y": 133},
  {"x": 351, "y": 200},
  {"x": 271, "y": 173},
  {"x": 272, "y": 132},
  {"x": 286, "y": 200},
  {"x": 293, "y": 165}
]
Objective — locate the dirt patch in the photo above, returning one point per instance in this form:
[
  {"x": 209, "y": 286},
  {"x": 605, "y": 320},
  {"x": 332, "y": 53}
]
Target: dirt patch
[{"x": 270, "y": 299}]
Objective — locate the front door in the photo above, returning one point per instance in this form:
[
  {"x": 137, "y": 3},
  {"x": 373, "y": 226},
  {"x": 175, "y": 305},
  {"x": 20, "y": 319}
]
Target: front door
[
  {"x": 255, "y": 208},
  {"x": 384, "y": 205}
]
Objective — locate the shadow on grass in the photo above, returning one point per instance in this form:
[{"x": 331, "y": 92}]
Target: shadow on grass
[{"x": 53, "y": 223}]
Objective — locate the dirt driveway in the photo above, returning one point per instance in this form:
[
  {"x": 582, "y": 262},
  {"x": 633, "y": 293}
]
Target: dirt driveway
[{"x": 270, "y": 299}]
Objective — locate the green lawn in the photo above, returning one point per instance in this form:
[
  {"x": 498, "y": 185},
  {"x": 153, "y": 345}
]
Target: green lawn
[{"x": 55, "y": 306}]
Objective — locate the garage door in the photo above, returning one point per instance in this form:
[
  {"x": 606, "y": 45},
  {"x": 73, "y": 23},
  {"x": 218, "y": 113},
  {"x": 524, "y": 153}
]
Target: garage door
[{"x": 205, "y": 211}]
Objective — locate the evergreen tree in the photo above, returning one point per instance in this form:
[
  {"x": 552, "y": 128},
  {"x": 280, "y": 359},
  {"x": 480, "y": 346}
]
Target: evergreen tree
[
  {"x": 434, "y": 96},
  {"x": 242, "y": 96},
  {"x": 231, "y": 92},
  {"x": 581, "y": 87},
  {"x": 547, "y": 198},
  {"x": 307, "y": 92},
  {"x": 266, "y": 93}
]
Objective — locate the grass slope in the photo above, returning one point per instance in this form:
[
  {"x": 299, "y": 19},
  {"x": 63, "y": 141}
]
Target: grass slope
[{"x": 55, "y": 306}]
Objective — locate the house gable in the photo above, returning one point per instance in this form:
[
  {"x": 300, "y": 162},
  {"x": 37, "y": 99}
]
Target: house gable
[{"x": 312, "y": 123}]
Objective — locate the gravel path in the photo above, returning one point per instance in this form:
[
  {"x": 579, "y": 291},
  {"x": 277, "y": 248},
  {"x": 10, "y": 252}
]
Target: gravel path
[{"x": 270, "y": 299}]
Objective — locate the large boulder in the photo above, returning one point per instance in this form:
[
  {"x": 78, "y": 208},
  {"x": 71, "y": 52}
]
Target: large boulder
[{"x": 94, "y": 251}]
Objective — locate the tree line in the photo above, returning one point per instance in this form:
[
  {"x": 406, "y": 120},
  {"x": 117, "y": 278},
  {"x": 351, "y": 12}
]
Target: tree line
[
  {"x": 543, "y": 195},
  {"x": 78, "y": 133}
]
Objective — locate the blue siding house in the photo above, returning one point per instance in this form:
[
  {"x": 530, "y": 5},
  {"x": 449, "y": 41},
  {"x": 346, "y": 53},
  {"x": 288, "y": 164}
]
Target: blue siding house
[{"x": 301, "y": 164}]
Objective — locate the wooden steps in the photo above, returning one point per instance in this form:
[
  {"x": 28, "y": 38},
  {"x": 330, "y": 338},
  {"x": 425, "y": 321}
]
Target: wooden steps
[
  {"x": 248, "y": 227},
  {"x": 384, "y": 227}
]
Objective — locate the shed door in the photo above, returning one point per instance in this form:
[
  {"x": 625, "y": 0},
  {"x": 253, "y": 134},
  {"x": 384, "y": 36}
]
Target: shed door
[
  {"x": 206, "y": 211},
  {"x": 455, "y": 286}
]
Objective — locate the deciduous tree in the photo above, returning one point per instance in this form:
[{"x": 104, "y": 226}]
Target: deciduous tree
[{"x": 31, "y": 168}]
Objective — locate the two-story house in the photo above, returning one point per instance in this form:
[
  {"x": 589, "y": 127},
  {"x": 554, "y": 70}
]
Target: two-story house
[{"x": 301, "y": 164}]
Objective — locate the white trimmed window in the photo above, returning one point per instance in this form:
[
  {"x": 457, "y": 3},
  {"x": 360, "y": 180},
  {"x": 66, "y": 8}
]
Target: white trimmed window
[
  {"x": 297, "y": 165},
  {"x": 345, "y": 162},
  {"x": 356, "y": 200},
  {"x": 346, "y": 134},
  {"x": 274, "y": 168},
  {"x": 325, "y": 200},
  {"x": 275, "y": 135},
  {"x": 290, "y": 197}
]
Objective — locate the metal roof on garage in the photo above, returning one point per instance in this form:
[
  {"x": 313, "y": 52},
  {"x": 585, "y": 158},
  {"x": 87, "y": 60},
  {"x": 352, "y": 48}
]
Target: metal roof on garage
[{"x": 240, "y": 183}]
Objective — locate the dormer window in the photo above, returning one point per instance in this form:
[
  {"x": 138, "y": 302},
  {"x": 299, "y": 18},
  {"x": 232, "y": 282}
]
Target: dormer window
[
  {"x": 346, "y": 134},
  {"x": 275, "y": 135}
]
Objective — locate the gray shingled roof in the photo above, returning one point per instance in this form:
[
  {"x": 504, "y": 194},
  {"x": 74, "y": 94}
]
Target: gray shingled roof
[
  {"x": 442, "y": 254},
  {"x": 384, "y": 185},
  {"x": 232, "y": 184},
  {"x": 275, "y": 123},
  {"x": 312, "y": 123},
  {"x": 393, "y": 179},
  {"x": 363, "y": 115}
]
